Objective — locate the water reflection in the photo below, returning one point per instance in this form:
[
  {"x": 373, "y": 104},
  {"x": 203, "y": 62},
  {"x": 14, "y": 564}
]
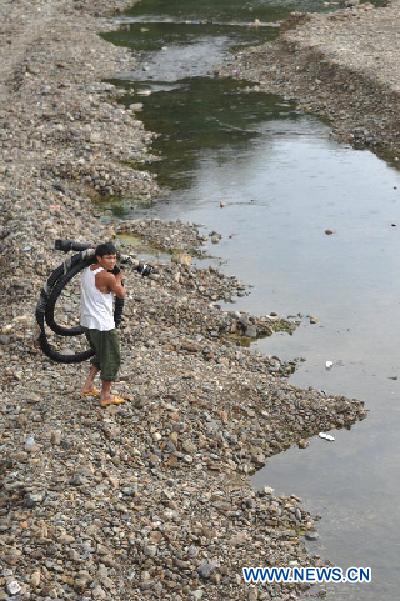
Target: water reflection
[
  {"x": 265, "y": 10},
  {"x": 203, "y": 115}
]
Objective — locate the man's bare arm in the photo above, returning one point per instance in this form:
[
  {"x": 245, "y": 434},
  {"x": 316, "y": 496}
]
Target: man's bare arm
[
  {"x": 117, "y": 286},
  {"x": 111, "y": 283}
]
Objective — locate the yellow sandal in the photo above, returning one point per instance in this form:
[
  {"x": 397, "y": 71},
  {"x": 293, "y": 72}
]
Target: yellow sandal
[
  {"x": 94, "y": 392},
  {"x": 115, "y": 400}
]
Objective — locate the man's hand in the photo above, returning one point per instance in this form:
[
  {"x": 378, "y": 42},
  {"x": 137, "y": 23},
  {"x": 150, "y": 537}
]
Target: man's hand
[
  {"x": 117, "y": 285},
  {"x": 119, "y": 279}
]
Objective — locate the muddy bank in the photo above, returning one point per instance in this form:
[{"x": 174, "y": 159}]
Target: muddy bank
[
  {"x": 341, "y": 66},
  {"x": 149, "y": 500}
]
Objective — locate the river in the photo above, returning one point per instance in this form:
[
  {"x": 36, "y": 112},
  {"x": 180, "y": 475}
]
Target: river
[{"x": 283, "y": 182}]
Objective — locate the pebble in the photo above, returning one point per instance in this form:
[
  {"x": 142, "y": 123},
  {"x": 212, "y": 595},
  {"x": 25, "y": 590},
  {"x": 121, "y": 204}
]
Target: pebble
[
  {"x": 206, "y": 569},
  {"x": 30, "y": 444},
  {"x": 311, "y": 535},
  {"x": 13, "y": 587},
  {"x": 35, "y": 579},
  {"x": 56, "y": 437}
]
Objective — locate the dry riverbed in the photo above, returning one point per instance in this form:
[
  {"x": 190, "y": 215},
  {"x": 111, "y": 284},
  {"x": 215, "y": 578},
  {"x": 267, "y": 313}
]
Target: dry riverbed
[{"x": 151, "y": 499}]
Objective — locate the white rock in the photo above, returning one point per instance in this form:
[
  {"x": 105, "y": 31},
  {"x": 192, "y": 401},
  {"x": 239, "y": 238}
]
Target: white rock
[
  {"x": 326, "y": 436},
  {"x": 35, "y": 578},
  {"x": 13, "y": 588},
  {"x": 30, "y": 444}
]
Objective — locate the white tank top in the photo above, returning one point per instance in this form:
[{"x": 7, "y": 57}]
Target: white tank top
[{"x": 96, "y": 306}]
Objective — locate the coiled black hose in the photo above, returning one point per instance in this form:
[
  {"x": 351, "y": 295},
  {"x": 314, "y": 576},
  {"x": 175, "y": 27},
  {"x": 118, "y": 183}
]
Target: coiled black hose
[{"x": 45, "y": 307}]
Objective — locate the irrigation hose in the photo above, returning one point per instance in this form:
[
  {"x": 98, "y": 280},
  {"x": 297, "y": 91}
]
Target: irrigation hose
[{"x": 46, "y": 304}]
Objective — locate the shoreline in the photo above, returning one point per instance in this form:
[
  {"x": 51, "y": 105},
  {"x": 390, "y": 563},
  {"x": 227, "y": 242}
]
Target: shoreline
[
  {"x": 150, "y": 500},
  {"x": 325, "y": 63}
]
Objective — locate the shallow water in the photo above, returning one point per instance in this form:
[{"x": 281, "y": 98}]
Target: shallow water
[
  {"x": 227, "y": 10},
  {"x": 284, "y": 181}
]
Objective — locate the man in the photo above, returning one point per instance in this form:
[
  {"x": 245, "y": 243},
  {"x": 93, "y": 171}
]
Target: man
[{"x": 97, "y": 318}]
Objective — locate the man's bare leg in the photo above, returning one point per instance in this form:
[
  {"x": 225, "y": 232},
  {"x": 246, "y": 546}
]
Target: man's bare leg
[
  {"x": 105, "y": 394},
  {"x": 89, "y": 384}
]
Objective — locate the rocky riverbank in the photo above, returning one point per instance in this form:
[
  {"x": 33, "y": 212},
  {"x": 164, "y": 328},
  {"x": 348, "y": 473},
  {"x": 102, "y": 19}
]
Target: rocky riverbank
[
  {"x": 342, "y": 66},
  {"x": 151, "y": 499}
]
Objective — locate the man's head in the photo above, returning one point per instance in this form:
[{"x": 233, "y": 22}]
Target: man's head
[{"x": 106, "y": 255}]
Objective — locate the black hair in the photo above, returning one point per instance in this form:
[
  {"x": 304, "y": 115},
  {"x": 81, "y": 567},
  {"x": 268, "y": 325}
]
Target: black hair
[{"x": 107, "y": 248}]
